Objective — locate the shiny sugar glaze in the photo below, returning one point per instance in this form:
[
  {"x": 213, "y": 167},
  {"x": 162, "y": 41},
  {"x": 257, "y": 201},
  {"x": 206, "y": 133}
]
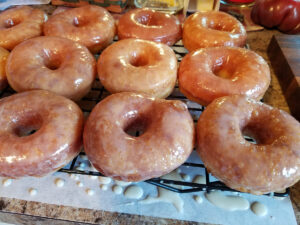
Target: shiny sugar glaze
[
  {"x": 149, "y": 25},
  {"x": 56, "y": 123},
  {"x": 19, "y": 24},
  {"x": 51, "y": 63},
  {"x": 91, "y": 26},
  {"x": 270, "y": 165},
  {"x": 211, "y": 29},
  {"x": 138, "y": 66},
  {"x": 161, "y": 148}
]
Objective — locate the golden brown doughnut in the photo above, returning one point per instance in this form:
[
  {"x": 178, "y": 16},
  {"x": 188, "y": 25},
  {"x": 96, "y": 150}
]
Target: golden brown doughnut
[
  {"x": 211, "y": 29},
  {"x": 19, "y": 24},
  {"x": 51, "y": 63},
  {"x": 210, "y": 73},
  {"x": 90, "y": 25},
  {"x": 270, "y": 165},
  {"x": 3, "y": 57},
  {"x": 138, "y": 66},
  {"x": 149, "y": 25},
  {"x": 58, "y": 123},
  {"x": 166, "y": 141}
]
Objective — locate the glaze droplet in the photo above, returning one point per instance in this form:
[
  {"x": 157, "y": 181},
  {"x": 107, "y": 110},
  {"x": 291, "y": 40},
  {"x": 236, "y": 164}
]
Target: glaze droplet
[
  {"x": 6, "y": 182},
  {"x": 117, "y": 189},
  {"x": 79, "y": 183},
  {"x": 104, "y": 180},
  {"x": 90, "y": 191},
  {"x": 134, "y": 192},
  {"x": 122, "y": 183},
  {"x": 59, "y": 182},
  {"x": 259, "y": 209},
  {"x": 198, "y": 199},
  {"x": 32, "y": 191},
  {"x": 103, "y": 187}
]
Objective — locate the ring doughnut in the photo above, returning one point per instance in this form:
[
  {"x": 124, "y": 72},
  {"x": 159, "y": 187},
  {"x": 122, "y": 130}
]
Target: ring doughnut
[
  {"x": 272, "y": 164},
  {"x": 3, "y": 58},
  {"x": 212, "y": 29},
  {"x": 19, "y": 24},
  {"x": 136, "y": 65},
  {"x": 90, "y": 25},
  {"x": 58, "y": 123},
  {"x": 51, "y": 63},
  {"x": 166, "y": 141},
  {"x": 211, "y": 73},
  {"x": 150, "y": 25}
]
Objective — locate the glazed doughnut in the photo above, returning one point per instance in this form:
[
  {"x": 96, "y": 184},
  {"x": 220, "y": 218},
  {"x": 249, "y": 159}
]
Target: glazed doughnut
[
  {"x": 57, "y": 123},
  {"x": 166, "y": 141},
  {"x": 270, "y": 165},
  {"x": 19, "y": 24},
  {"x": 136, "y": 65},
  {"x": 90, "y": 25},
  {"x": 51, "y": 63},
  {"x": 3, "y": 57},
  {"x": 211, "y": 73},
  {"x": 211, "y": 29},
  {"x": 150, "y": 25}
]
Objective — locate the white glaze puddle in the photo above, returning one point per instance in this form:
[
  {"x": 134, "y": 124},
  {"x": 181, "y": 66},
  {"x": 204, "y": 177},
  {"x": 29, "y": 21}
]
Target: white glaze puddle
[
  {"x": 199, "y": 179},
  {"x": 229, "y": 203},
  {"x": 104, "y": 180},
  {"x": 6, "y": 182},
  {"x": 198, "y": 199},
  {"x": 122, "y": 183},
  {"x": 134, "y": 192},
  {"x": 167, "y": 197},
  {"x": 117, "y": 189},
  {"x": 32, "y": 191},
  {"x": 103, "y": 187},
  {"x": 259, "y": 209},
  {"x": 89, "y": 191},
  {"x": 59, "y": 182},
  {"x": 174, "y": 175}
]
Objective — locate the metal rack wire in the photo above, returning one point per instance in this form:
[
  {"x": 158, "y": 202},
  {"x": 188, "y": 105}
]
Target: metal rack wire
[{"x": 98, "y": 92}]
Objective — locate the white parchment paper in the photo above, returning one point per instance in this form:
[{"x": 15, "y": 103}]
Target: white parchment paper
[{"x": 280, "y": 211}]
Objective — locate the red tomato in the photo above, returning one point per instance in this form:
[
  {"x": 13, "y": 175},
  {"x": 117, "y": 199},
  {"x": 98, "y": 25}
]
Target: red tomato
[{"x": 283, "y": 14}]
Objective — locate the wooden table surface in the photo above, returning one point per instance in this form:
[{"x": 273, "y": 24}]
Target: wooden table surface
[{"x": 28, "y": 212}]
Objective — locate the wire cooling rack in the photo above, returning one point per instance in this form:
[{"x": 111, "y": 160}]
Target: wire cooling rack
[{"x": 98, "y": 93}]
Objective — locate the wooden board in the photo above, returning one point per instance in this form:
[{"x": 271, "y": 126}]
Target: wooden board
[{"x": 284, "y": 54}]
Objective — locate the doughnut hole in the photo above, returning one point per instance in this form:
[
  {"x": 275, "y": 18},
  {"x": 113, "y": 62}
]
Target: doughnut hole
[
  {"x": 28, "y": 124},
  {"x": 258, "y": 129},
  {"x": 80, "y": 22},
  {"x": 136, "y": 126},
  {"x": 51, "y": 61},
  {"x": 11, "y": 22},
  {"x": 149, "y": 20},
  {"x": 139, "y": 60},
  {"x": 144, "y": 57},
  {"x": 223, "y": 68}
]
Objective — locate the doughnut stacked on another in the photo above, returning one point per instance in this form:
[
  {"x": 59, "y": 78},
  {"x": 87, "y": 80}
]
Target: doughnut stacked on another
[
  {"x": 165, "y": 143},
  {"x": 51, "y": 63},
  {"x": 210, "y": 73},
  {"x": 57, "y": 124},
  {"x": 19, "y": 24},
  {"x": 150, "y": 25},
  {"x": 141, "y": 66},
  {"x": 90, "y": 25},
  {"x": 212, "y": 29},
  {"x": 272, "y": 164}
]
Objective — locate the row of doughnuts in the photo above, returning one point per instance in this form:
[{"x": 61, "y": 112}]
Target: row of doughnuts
[{"x": 166, "y": 123}]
